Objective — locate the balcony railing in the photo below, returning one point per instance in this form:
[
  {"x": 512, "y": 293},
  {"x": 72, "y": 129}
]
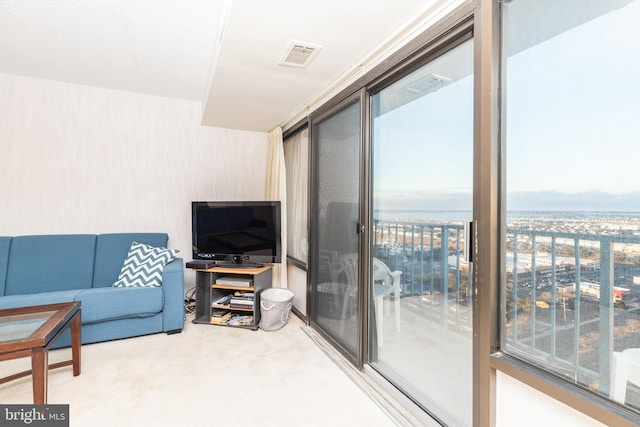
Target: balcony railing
[
  {"x": 570, "y": 301},
  {"x": 434, "y": 275},
  {"x": 569, "y": 298}
]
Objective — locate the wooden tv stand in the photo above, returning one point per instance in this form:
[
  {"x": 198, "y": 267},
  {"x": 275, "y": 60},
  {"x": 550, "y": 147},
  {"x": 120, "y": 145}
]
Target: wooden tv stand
[{"x": 239, "y": 312}]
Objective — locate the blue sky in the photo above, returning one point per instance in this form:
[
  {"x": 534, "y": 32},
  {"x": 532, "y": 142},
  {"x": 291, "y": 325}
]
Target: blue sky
[
  {"x": 573, "y": 122},
  {"x": 425, "y": 145},
  {"x": 573, "y": 126}
]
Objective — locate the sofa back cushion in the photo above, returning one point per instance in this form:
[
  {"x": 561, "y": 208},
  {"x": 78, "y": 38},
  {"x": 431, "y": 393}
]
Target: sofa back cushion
[
  {"x": 5, "y": 245},
  {"x": 112, "y": 249},
  {"x": 49, "y": 263}
]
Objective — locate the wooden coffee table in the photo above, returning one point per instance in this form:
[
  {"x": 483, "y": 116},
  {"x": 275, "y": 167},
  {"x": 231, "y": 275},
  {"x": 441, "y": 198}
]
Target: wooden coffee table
[{"x": 31, "y": 331}]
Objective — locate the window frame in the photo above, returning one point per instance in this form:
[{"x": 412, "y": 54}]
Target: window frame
[
  {"x": 292, "y": 132},
  {"x": 589, "y": 403}
]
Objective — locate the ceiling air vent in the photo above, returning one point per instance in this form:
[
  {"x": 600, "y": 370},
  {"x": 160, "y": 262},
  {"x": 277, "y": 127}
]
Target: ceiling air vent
[{"x": 299, "y": 54}]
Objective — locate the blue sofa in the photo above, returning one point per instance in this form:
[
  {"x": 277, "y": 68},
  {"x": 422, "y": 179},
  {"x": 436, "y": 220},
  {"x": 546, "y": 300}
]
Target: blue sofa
[{"x": 47, "y": 269}]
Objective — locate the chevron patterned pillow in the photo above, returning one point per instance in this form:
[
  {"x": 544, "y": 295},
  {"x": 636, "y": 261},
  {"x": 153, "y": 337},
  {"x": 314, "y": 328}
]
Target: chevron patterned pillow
[{"x": 143, "y": 266}]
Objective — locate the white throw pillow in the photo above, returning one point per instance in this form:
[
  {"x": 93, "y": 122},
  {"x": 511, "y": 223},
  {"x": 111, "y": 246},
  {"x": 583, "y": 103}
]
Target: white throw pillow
[{"x": 144, "y": 265}]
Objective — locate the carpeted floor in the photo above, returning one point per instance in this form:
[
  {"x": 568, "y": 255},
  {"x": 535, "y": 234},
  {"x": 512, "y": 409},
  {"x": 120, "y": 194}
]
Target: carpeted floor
[{"x": 206, "y": 376}]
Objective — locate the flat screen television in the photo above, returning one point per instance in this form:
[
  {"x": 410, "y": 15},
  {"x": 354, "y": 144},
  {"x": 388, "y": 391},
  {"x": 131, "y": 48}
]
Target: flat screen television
[{"x": 237, "y": 232}]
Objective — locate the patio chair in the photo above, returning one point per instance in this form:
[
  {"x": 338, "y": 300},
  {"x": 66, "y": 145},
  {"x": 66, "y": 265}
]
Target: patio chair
[
  {"x": 626, "y": 367},
  {"x": 385, "y": 283}
]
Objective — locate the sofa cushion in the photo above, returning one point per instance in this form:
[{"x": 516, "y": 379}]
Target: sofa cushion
[
  {"x": 5, "y": 245},
  {"x": 102, "y": 304},
  {"x": 49, "y": 263},
  {"x": 144, "y": 265},
  {"x": 112, "y": 249},
  {"x": 15, "y": 301}
]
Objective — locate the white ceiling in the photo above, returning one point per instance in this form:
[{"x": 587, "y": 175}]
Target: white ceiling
[{"x": 184, "y": 50}]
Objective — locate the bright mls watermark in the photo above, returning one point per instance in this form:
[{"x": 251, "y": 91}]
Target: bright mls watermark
[{"x": 34, "y": 415}]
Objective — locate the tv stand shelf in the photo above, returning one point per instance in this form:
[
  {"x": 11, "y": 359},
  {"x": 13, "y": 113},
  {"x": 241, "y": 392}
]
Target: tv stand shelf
[{"x": 208, "y": 293}]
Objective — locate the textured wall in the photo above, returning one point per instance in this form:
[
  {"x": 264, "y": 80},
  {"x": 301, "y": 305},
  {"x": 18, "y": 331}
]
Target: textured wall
[{"x": 79, "y": 159}]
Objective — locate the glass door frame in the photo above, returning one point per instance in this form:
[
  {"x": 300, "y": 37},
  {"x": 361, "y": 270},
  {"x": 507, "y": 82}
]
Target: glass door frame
[
  {"x": 360, "y": 98},
  {"x": 482, "y": 18},
  {"x": 460, "y": 27},
  {"x": 457, "y": 36}
]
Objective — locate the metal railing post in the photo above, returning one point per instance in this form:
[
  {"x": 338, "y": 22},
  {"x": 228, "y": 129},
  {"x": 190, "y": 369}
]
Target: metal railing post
[
  {"x": 444, "y": 270},
  {"x": 606, "y": 308}
]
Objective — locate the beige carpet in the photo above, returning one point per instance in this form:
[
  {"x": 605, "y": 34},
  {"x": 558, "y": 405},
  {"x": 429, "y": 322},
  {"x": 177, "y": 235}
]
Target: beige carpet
[{"x": 205, "y": 376}]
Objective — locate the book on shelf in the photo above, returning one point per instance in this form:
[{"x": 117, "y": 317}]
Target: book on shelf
[
  {"x": 242, "y": 300},
  {"x": 244, "y": 294},
  {"x": 220, "y": 317},
  {"x": 219, "y": 313},
  {"x": 247, "y": 305},
  {"x": 241, "y": 320}
]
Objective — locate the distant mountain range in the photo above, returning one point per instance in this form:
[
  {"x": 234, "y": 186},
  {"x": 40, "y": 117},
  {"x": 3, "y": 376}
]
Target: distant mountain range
[
  {"x": 584, "y": 201},
  {"x": 516, "y": 201}
]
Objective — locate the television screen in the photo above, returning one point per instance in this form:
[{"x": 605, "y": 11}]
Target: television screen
[{"x": 237, "y": 232}]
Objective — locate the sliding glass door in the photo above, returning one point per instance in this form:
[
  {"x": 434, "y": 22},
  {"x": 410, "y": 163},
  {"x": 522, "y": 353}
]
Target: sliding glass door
[
  {"x": 420, "y": 280},
  {"x": 391, "y": 208},
  {"x": 335, "y": 224}
]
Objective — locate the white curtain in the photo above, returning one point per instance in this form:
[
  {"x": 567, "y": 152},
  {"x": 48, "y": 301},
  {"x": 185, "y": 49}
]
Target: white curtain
[
  {"x": 296, "y": 155},
  {"x": 277, "y": 190}
]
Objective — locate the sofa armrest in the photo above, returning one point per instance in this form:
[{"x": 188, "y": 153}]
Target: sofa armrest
[{"x": 173, "y": 290}]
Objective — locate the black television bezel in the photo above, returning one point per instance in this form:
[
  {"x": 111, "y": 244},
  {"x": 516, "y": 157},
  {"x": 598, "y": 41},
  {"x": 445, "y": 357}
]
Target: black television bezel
[{"x": 237, "y": 259}]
